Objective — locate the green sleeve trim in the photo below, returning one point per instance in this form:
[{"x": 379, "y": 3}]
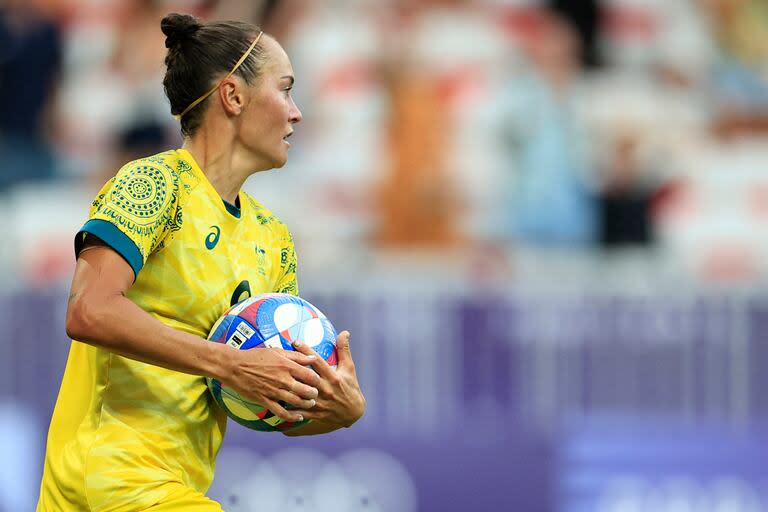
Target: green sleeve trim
[{"x": 116, "y": 239}]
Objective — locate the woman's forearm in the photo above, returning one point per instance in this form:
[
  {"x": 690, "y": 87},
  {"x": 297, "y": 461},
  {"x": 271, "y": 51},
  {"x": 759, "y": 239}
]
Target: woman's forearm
[
  {"x": 312, "y": 428},
  {"x": 117, "y": 324}
]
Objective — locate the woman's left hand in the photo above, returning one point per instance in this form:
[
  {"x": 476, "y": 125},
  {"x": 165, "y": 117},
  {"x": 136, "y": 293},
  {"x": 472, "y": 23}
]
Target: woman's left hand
[{"x": 340, "y": 401}]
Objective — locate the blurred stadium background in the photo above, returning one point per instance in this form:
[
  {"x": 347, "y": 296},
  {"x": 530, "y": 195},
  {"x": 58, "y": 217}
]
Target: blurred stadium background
[{"x": 544, "y": 224}]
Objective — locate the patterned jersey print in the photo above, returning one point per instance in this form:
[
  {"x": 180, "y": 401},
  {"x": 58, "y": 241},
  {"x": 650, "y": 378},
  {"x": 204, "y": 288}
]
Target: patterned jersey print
[{"x": 125, "y": 434}]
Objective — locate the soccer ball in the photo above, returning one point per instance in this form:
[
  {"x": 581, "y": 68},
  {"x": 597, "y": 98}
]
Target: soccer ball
[{"x": 271, "y": 320}]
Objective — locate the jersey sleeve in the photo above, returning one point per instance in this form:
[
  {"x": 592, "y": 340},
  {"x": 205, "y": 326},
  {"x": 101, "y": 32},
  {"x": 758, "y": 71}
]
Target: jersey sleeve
[
  {"x": 135, "y": 211},
  {"x": 287, "y": 281}
]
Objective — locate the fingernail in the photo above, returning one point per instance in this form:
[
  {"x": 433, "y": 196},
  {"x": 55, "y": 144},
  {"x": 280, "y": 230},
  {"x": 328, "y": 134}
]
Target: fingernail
[
  {"x": 311, "y": 358},
  {"x": 301, "y": 418},
  {"x": 312, "y": 403},
  {"x": 297, "y": 344}
]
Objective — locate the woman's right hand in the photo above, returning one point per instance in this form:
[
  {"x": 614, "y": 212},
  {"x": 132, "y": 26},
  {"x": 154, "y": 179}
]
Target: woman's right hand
[{"x": 268, "y": 375}]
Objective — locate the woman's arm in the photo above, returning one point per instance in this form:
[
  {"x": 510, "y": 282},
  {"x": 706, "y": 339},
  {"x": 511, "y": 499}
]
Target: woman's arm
[{"x": 99, "y": 313}]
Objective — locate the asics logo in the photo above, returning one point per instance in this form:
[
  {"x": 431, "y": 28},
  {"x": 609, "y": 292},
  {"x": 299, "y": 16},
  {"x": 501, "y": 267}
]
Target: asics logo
[
  {"x": 243, "y": 288},
  {"x": 213, "y": 238}
]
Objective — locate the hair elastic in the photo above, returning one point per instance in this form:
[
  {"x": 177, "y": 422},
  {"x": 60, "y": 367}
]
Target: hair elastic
[{"x": 239, "y": 63}]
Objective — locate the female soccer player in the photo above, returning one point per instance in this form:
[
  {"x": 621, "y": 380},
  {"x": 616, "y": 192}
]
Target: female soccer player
[{"x": 170, "y": 243}]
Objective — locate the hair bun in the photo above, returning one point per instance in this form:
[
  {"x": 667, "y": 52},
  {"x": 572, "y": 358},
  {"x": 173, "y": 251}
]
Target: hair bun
[{"x": 178, "y": 27}]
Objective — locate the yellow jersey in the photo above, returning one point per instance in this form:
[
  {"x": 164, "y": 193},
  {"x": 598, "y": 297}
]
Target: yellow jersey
[{"x": 125, "y": 434}]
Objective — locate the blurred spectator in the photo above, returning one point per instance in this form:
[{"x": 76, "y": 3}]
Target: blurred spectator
[
  {"x": 741, "y": 71},
  {"x": 30, "y": 62},
  {"x": 626, "y": 196},
  {"x": 432, "y": 73},
  {"x": 683, "y": 50},
  {"x": 551, "y": 203},
  {"x": 585, "y": 17},
  {"x": 417, "y": 203}
]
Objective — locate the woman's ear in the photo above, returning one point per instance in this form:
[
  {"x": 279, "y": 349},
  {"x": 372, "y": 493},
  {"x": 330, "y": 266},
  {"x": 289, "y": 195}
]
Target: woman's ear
[{"x": 231, "y": 94}]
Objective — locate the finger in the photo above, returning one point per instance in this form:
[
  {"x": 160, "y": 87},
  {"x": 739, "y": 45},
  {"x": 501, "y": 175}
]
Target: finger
[
  {"x": 306, "y": 350},
  {"x": 301, "y": 358},
  {"x": 294, "y": 400},
  {"x": 281, "y": 412},
  {"x": 311, "y": 414},
  {"x": 302, "y": 390},
  {"x": 319, "y": 364},
  {"x": 305, "y": 375},
  {"x": 342, "y": 348}
]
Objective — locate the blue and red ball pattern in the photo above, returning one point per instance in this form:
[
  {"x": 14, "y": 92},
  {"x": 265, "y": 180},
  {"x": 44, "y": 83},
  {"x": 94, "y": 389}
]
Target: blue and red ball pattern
[{"x": 272, "y": 320}]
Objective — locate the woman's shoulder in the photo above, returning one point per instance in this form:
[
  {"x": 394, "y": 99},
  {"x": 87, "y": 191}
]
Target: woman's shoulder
[
  {"x": 166, "y": 172},
  {"x": 167, "y": 162}
]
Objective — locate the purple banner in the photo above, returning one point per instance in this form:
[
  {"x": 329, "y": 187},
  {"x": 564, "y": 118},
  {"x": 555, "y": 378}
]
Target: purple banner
[{"x": 472, "y": 402}]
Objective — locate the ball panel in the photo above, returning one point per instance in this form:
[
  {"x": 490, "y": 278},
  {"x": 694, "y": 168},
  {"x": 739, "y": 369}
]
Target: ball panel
[
  {"x": 227, "y": 397},
  {"x": 240, "y": 332},
  {"x": 238, "y": 408},
  {"x": 249, "y": 314},
  {"x": 220, "y": 328},
  {"x": 278, "y": 313},
  {"x": 330, "y": 332},
  {"x": 309, "y": 332},
  {"x": 333, "y": 359},
  {"x": 318, "y": 312},
  {"x": 241, "y": 306},
  {"x": 286, "y": 316},
  {"x": 254, "y": 425},
  {"x": 273, "y": 342},
  {"x": 286, "y": 344},
  {"x": 273, "y": 421}
]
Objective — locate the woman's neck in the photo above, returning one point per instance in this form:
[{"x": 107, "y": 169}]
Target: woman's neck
[{"x": 220, "y": 163}]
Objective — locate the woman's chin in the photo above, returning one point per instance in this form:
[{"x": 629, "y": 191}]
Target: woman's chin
[{"x": 280, "y": 161}]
